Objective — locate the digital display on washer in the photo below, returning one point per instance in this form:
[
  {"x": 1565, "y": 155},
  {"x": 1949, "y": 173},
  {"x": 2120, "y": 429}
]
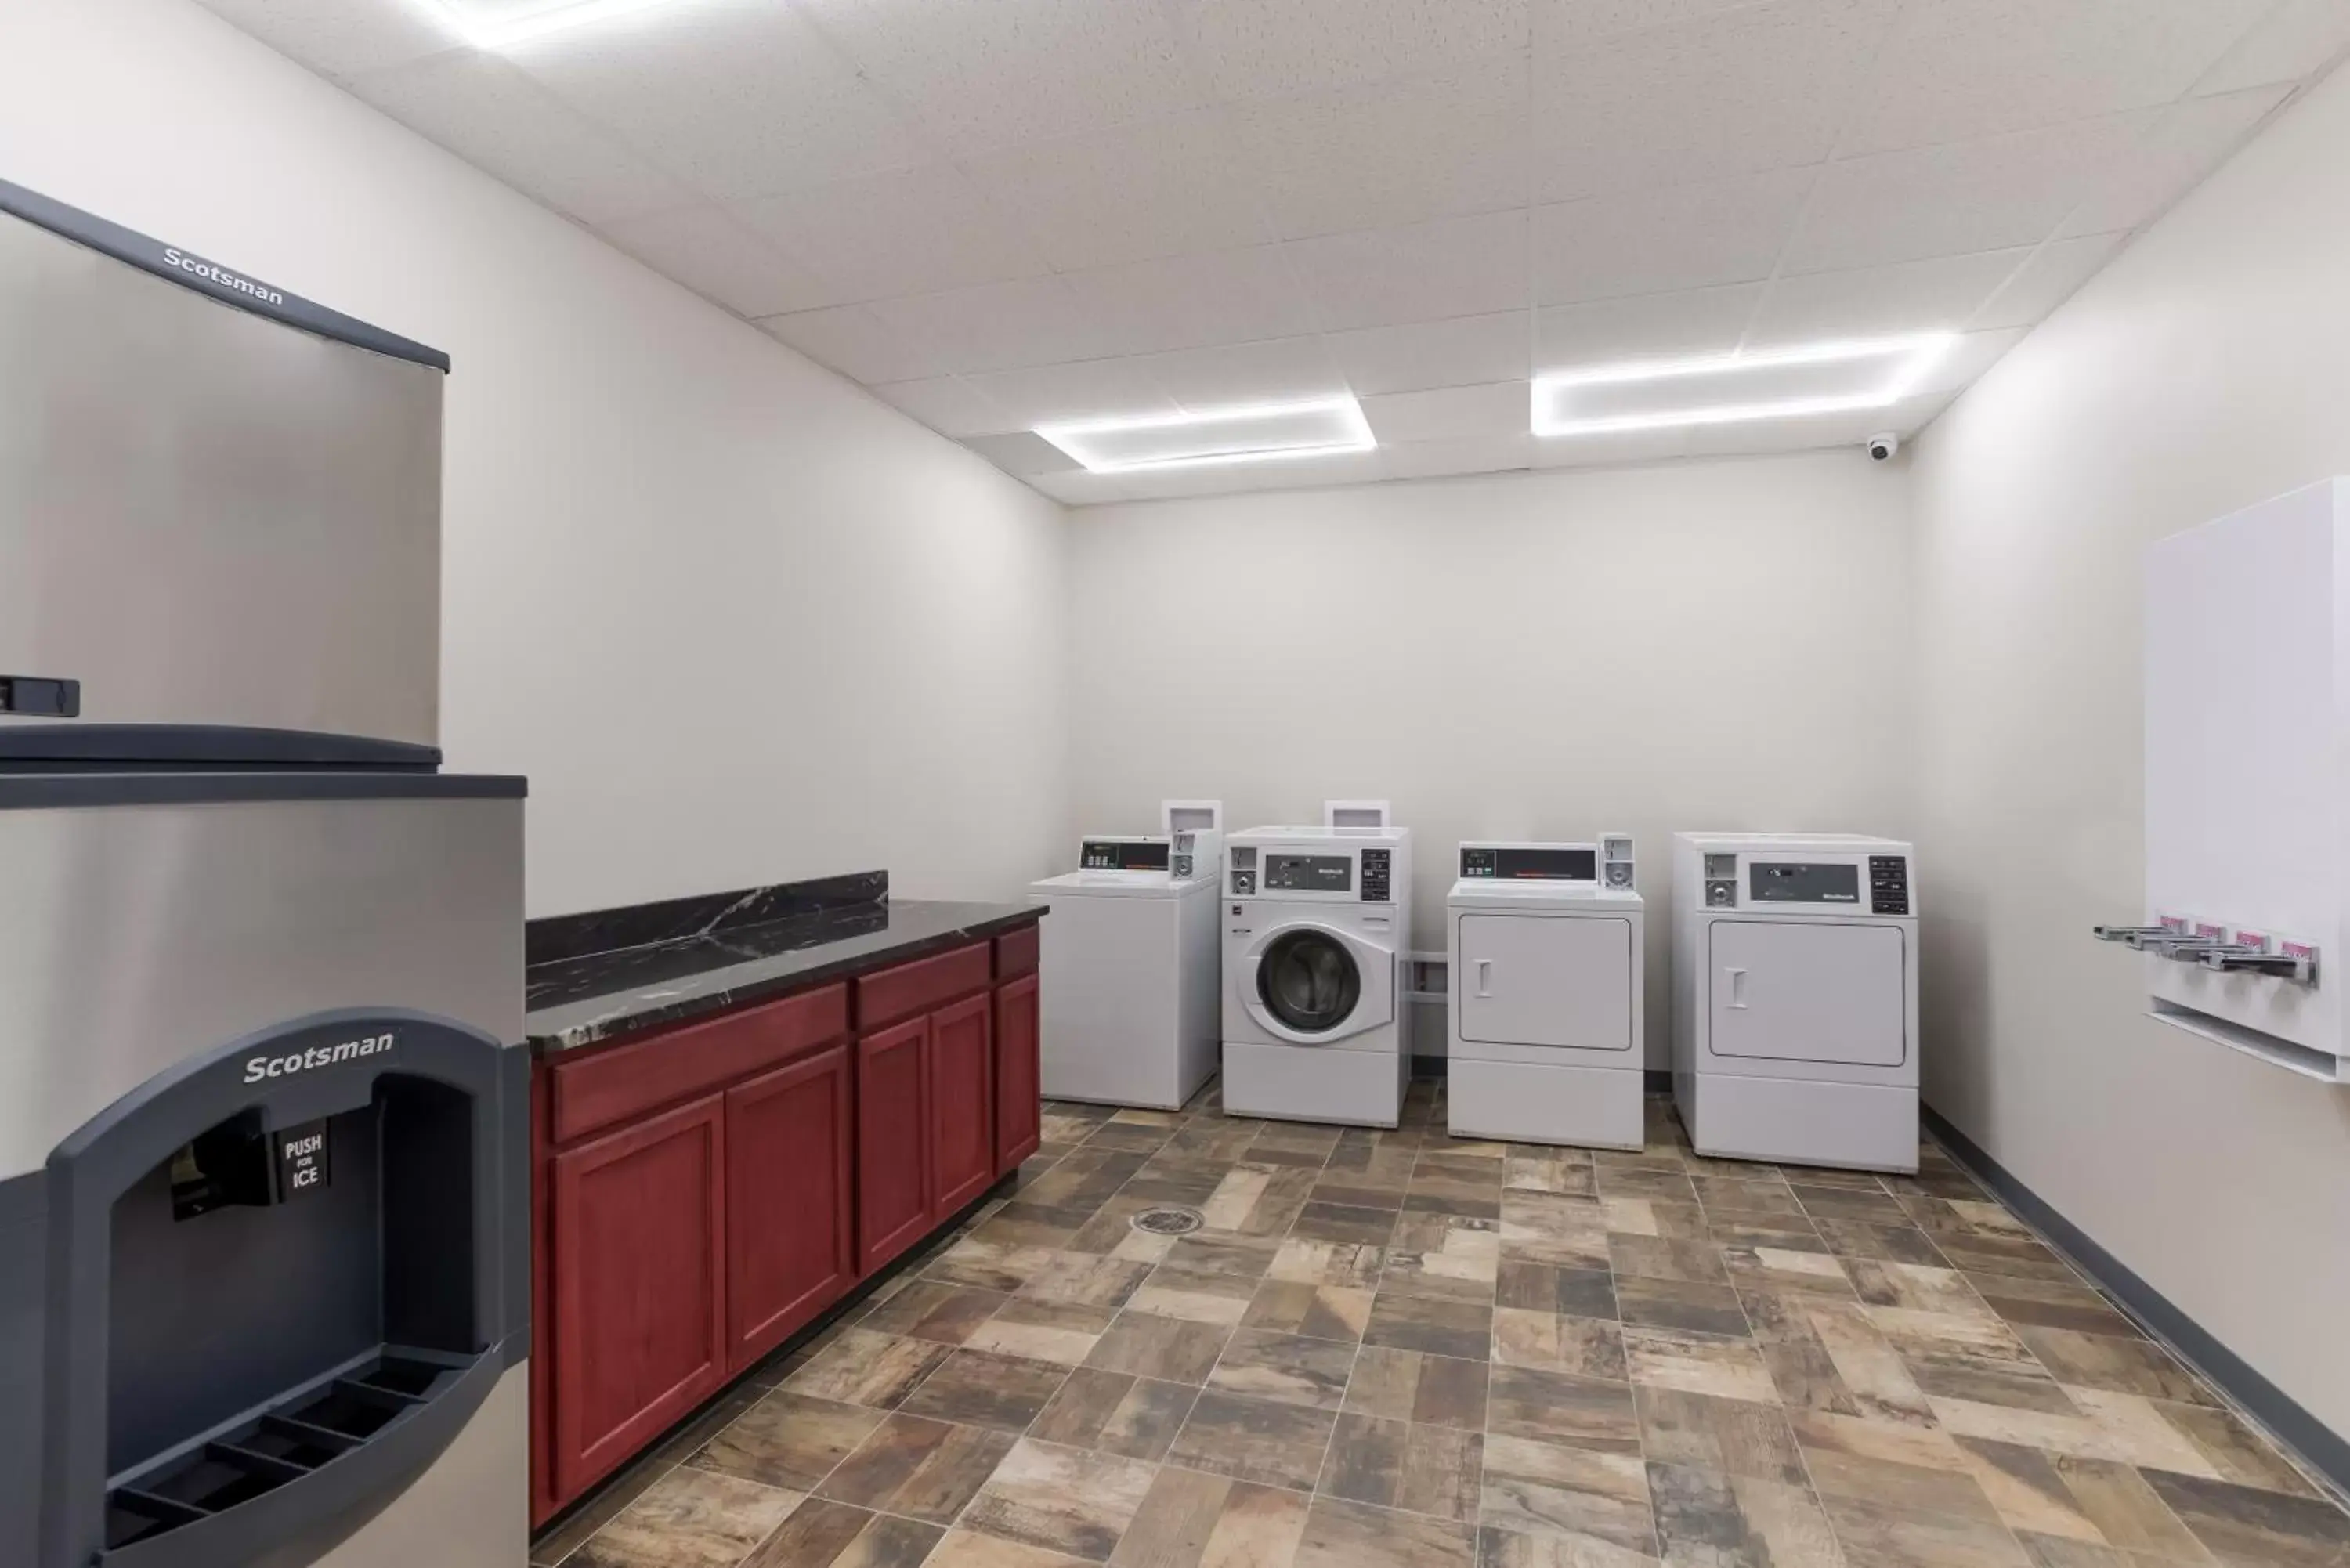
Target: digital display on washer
[
  {"x": 1309, "y": 873},
  {"x": 1122, "y": 855},
  {"x": 1790, "y": 882},
  {"x": 1555, "y": 863}
]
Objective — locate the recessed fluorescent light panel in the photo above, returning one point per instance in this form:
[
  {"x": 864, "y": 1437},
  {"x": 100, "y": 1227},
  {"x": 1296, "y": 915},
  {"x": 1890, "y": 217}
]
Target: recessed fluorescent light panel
[
  {"x": 1728, "y": 388},
  {"x": 499, "y": 23},
  {"x": 1260, "y": 432}
]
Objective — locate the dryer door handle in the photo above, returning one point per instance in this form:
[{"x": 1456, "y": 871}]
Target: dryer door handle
[
  {"x": 1737, "y": 987},
  {"x": 1485, "y": 977}
]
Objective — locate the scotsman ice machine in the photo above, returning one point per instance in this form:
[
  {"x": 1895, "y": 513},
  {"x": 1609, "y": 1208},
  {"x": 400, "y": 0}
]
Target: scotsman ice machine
[{"x": 263, "y": 1191}]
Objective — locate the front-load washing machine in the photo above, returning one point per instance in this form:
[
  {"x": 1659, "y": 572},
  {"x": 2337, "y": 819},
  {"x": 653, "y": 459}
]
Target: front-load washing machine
[
  {"x": 1545, "y": 945},
  {"x": 1318, "y": 926},
  {"x": 1129, "y": 969},
  {"x": 1795, "y": 998}
]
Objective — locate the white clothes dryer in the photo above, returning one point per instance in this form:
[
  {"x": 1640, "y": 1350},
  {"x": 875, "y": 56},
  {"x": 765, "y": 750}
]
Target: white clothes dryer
[
  {"x": 1128, "y": 971},
  {"x": 1545, "y": 944},
  {"x": 1795, "y": 998},
  {"x": 1318, "y": 923}
]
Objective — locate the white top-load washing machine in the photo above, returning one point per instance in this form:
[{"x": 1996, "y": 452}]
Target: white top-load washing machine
[
  {"x": 1128, "y": 971},
  {"x": 1546, "y": 1044},
  {"x": 1795, "y": 998},
  {"x": 1318, "y": 929}
]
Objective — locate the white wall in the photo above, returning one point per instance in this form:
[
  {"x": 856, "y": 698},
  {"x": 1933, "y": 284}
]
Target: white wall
[
  {"x": 738, "y": 622},
  {"x": 1516, "y": 655},
  {"x": 2209, "y": 368}
]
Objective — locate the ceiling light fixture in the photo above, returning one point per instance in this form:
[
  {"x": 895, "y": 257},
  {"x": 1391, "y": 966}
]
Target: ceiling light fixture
[
  {"x": 499, "y": 26},
  {"x": 1254, "y": 432},
  {"x": 1730, "y": 388}
]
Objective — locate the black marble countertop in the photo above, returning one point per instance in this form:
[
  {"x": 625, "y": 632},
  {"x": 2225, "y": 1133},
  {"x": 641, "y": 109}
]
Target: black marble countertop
[{"x": 590, "y": 998}]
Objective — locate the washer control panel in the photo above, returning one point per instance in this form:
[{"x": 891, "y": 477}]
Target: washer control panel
[
  {"x": 1888, "y": 884},
  {"x": 1244, "y": 870},
  {"x": 1378, "y": 866}
]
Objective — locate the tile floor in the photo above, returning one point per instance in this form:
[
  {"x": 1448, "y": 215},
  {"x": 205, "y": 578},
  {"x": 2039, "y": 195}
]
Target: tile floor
[{"x": 1395, "y": 1350}]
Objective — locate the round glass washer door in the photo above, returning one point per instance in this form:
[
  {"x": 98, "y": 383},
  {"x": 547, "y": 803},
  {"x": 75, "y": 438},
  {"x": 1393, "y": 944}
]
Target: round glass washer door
[{"x": 1308, "y": 980}]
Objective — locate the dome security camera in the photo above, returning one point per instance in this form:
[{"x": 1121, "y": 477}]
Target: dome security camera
[{"x": 1883, "y": 445}]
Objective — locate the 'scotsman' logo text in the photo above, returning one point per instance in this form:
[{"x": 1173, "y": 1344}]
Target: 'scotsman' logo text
[
  {"x": 257, "y": 1068},
  {"x": 197, "y": 266}
]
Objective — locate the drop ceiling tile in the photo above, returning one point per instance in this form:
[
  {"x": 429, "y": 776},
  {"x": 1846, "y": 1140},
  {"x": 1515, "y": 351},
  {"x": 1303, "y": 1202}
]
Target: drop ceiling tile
[
  {"x": 342, "y": 41},
  {"x": 1023, "y": 454},
  {"x": 1447, "y": 413},
  {"x": 1763, "y": 87},
  {"x": 1940, "y": 293},
  {"x": 1187, "y": 302},
  {"x": 1650, "y": 327},
  {"x": 1418, "y": 272},
  {"x": 948, "y": 404},
  {"x": 1467, "y": 454},
  {"x": 1947, "y": 200},
  {"x": 739, "y": 97},
  {"x": 902, "y": 231},
  {"x": 1168, "y": 187},
  {"x": 1959, "y": 72},
  {"x": 1756, "y": 437},
  {"x": 1969, "y": 357},
  {"x": 853, "y": 340},
  {"x": 1288, "y": 473},
  {"x": 984, "y": 73},
  {"x": 1272, "y": 370},
  {"x": 1400, "y": 150},
  {"x": 999, "y": 326},
  {"x": 2189, "y": 141},
  {"x": 2047, "y": 280},
  {"x": 498, "y": 119},
  {"x": 1602, "y": 450},
  {"x": 2298, "y": 40},
  {"x": 718, "y": 258},
  {"x": 1078, "y": 488},
  {"x": 1679, "y": 237},
  {"x": 1249, "y": 49},
  {"x": 1089, "y": 390},
  {"x": 1459, "y": 352}
]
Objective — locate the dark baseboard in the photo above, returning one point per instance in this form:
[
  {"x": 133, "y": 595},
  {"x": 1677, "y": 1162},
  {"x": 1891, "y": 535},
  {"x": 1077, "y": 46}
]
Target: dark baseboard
[
  {"x": 2324, "y": 1449},
  {"x": 1428, "y": 1068}
]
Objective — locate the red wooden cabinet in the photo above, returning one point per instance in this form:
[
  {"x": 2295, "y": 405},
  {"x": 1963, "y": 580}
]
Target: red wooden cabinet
[
  {"x": 790, "y": 1217},
  {"x": 637, "y": 1268},
  {"x": 703, "y": 1194},
  {"x": 893, "y": 1141},
  {"x": 1019, "y": 1110},
  {"x": 962, "y": 1104}
]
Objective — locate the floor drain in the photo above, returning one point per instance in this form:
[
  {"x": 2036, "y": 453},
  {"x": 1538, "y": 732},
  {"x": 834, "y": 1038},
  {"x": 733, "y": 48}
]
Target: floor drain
[{"x": 1170, "y": 1220}]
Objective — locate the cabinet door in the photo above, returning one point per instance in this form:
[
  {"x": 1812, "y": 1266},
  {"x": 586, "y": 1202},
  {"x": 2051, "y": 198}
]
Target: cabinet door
[
  {"x": 1019, "y": 1110},
  {"x": 893, "y": 1141},
  {"x": 963, "y": 1106},
  {"x": 789, "y": 1246},
  {"x": 638, "y": 1271}
]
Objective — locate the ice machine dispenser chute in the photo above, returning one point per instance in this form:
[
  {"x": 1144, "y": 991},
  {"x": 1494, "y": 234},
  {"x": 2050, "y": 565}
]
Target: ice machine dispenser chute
[{"x": 275, "y": 1290}]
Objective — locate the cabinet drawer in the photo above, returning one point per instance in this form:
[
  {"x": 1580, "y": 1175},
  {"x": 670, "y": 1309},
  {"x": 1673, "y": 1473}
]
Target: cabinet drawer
[
  {"x": 1015, "y": 953},
  {"x": 630, "y": 1080},
  {"x": 888, "y": 996}
]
